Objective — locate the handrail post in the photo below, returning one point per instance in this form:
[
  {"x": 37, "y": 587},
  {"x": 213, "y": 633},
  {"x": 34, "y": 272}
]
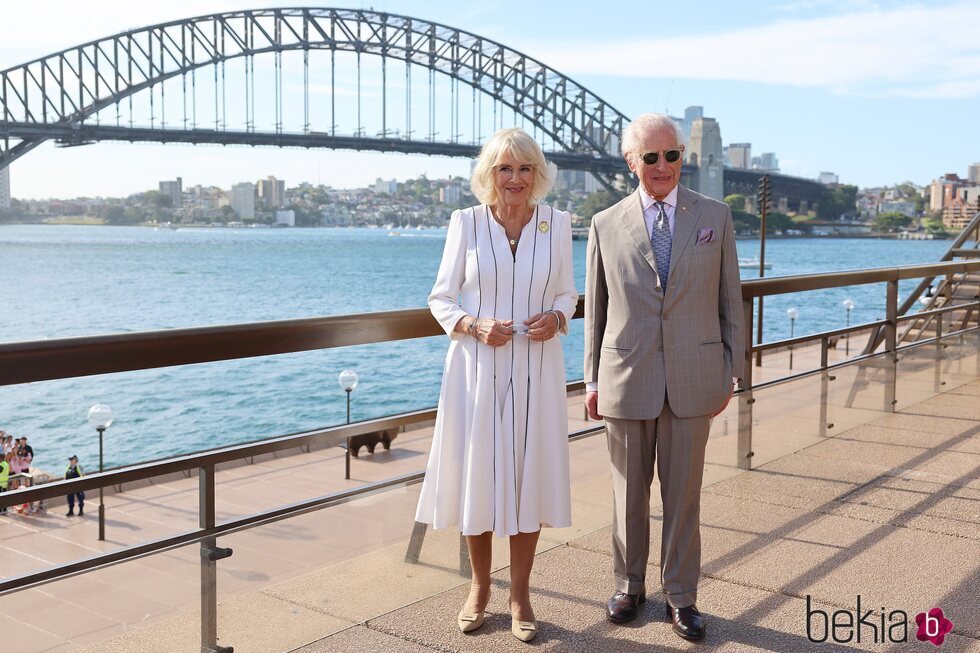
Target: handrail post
[
  {"x": 939, "y": 334},
  {"x": 758, "y": 354},
  {"x": 824, "y": 386},
  {"x": 937, "y": 368},
  {"x": 745, "y": 398},
  {"x": 891, "y": 344},
  {"x": 210, "y": 554}
]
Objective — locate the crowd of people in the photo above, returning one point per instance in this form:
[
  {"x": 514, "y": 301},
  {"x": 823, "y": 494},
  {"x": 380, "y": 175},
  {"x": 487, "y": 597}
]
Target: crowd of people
[
  {"x": 17, "y": 452},
  {"x": 17, "y": 458}
]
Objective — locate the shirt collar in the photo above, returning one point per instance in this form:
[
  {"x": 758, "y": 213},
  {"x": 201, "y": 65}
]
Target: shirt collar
[{"x": 646, "y": 201}]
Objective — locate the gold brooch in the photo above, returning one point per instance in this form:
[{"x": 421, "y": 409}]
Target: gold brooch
[{"x": 543, "y": 227}]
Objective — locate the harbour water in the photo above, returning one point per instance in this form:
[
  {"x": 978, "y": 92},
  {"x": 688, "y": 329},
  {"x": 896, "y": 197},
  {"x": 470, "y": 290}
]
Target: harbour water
[{"x": 64, "y": 281}]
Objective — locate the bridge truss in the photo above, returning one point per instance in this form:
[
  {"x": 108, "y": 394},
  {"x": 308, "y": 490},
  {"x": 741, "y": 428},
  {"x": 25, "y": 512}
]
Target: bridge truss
[{"x": 283, "y": 77}]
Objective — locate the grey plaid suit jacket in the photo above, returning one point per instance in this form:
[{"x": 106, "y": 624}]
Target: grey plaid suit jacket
[{"x": 644, "y": 344}]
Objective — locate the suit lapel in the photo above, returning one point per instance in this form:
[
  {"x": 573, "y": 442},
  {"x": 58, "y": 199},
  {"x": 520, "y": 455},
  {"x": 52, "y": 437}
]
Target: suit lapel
[
  {"x": 687, "y": 216},
  {"x": 631, "y": 217}
]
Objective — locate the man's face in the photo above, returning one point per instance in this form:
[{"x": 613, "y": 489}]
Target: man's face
[{"x": 661, "y": 177}]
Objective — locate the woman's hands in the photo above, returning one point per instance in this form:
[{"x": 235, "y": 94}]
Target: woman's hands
[
  {"x": 497, "y": 333},
  {"x": 543, "y": 326}
]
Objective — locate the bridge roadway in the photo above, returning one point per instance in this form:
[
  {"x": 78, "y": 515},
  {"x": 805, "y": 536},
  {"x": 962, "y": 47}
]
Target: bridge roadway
[
  {"x": 798, "y": 193},
  {"x": 69, "y": 135},
  {"x": 794, "y": 189}
]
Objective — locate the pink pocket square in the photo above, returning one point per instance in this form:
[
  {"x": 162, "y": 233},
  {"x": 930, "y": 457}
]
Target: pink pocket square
[{"x": 706, "y": 236}]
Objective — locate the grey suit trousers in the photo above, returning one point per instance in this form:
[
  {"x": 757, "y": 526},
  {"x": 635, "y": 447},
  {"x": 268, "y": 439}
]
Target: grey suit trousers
[{"x": 677, "y": 447}]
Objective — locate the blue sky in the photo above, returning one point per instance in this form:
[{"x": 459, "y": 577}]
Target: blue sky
[{"x": 878, "y": 92}]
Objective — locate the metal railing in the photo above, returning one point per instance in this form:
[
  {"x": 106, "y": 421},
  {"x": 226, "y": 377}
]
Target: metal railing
[
  {"x": 22, "y": 480},
  {"x": 887, "y": 327},
  {"x": 72, "y": 357},
  {"x": 956, "y": 249}
]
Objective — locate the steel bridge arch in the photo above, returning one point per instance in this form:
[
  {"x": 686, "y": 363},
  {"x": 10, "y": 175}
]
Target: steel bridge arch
[{"x": 53, "y": 96}]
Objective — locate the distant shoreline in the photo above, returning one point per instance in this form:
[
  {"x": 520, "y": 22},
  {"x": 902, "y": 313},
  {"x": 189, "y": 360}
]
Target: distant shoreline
[
  {"x": 826, "y": 236},
  {"x": 93, "y": 223}
]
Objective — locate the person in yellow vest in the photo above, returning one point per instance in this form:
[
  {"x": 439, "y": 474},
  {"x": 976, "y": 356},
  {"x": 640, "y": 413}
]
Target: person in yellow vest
[
  {"x": 5, "y": 475},
  {"x": 74, "y": 470}
]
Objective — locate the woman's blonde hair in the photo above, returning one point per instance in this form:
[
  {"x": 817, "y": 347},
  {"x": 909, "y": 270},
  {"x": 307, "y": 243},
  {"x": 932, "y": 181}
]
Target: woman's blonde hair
[{"x": 517, "y": 143}]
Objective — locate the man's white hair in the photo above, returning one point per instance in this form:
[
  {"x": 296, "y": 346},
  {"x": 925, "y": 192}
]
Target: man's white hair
[{"x": 647, "y": 122}]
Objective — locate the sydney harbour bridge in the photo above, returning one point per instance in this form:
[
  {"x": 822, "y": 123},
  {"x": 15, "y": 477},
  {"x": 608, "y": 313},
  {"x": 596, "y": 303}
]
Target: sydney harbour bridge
[{"x": 312, "y": 78}]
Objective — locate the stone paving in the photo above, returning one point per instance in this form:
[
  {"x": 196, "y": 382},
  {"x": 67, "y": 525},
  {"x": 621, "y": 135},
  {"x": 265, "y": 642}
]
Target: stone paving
[{"x": 901, "y": 530}]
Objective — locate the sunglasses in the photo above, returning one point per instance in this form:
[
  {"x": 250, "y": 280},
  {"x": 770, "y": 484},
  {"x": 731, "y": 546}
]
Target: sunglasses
[{"x": 670, "y": 156}]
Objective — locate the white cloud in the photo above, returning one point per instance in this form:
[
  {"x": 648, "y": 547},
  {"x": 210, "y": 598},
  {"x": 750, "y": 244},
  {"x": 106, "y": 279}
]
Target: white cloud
[
  {"x": 912, "y": 51},
  {"x": 826, "y": 6}
]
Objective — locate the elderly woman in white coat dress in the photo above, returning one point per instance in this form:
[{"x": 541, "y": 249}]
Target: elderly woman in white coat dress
[{"x": 504, "y": 291}]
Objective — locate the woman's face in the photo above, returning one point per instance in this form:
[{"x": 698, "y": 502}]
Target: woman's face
[{"x": 513, "y": 180}]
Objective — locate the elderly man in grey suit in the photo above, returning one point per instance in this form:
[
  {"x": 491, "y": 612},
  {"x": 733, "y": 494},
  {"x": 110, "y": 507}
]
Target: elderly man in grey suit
[{"x": 663, "y": 349}]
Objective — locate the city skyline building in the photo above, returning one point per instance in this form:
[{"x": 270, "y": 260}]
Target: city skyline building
[
  {"x": 691, "y": 114},
  {"x": 960, "y": 205},
  {"x": 388, "y": 187},
  {"x": 592, "y": 184},
  {"x": 740, "y": 155},
  {"x": 570, "y": 180},
  {"x": 767, "y": 162},
  {"x": 943, "y": 190},
  {"x": 828, "y": 178},
  {"x": 450, "y": 194},
  {"x": 271, "y": 193},
  {"x": 905, "y": 207},
  {"x": 973, "y": 173},
  {"x": 5, "y": 187},
  {"x": 612, "y": 145},
  {"x": 173, "y": 189},
  {"x": 243, "y": 200}
]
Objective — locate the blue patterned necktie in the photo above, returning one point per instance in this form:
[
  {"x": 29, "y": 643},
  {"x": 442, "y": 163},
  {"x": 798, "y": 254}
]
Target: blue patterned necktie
[{"x": 661, "y": 244}]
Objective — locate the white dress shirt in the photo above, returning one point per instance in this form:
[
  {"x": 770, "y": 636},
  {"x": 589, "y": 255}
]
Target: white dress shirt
[{"x": 650, "y": 210}]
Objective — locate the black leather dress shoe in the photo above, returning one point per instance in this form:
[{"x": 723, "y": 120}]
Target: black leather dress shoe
[
  {"x": 624, "y": 607},
  {"x": 687, "y": 622}
]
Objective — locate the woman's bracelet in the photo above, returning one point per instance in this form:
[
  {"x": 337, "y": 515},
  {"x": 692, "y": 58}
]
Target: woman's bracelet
[
  {"x": 557, "y": 316},
  {"x": 471, "y": 329}
]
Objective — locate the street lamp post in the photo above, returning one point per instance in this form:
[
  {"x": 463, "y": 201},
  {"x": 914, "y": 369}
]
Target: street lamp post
[
  {"x": 792, "y": 314},
  {"x": 100, "y": 418},
  {"x": 348, "y": 381},
  {"x": 848, "y": 304}
]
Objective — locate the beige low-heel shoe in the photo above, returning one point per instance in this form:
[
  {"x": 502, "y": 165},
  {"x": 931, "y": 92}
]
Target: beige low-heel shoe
[
  {"x": 470, "y": 621},
  {"x": 524, "y": 630}
]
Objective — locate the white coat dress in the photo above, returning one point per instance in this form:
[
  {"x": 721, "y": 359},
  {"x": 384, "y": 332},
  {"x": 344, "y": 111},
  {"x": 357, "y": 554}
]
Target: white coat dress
[{"x": 499, "y": 458}]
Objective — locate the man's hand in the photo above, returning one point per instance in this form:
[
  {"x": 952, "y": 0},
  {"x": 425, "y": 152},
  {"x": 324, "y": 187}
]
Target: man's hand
[
  {"x": 592, "y": 405},
  {"x": 731, "y": 394}
]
